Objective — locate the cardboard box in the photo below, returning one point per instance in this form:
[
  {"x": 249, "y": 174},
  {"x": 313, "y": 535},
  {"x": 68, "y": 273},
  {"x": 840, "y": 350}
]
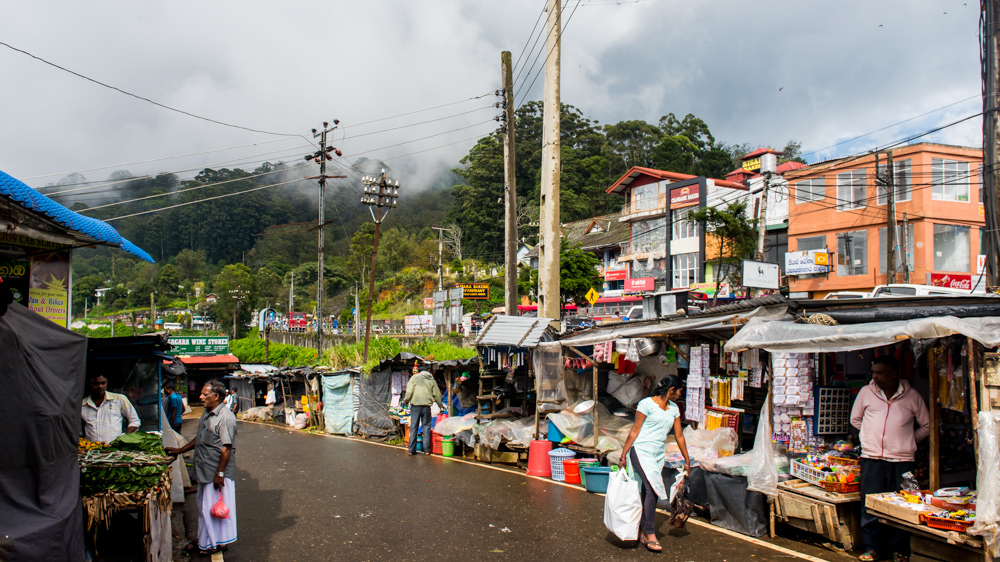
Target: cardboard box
[{"x": 883, "y": 503}]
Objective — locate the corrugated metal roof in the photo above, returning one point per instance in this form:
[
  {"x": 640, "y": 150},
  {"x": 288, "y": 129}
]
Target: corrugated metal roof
[
  {"x": 518, "y": 331},
  {"x": 97, "y": 230}
]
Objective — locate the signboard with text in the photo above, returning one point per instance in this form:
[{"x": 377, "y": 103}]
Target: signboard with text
[
  {"x": 760, "y": 275},
  {"x": 214, "y": 345},
  {"x": 806, "y": 262},
  {"x": 475, "y": 291},
  {"x": 616, "y": 274},
  {"x": 639, "y": 284},
  {"x": 684, "y": 196},
  {"x": 952, "y": 281}
]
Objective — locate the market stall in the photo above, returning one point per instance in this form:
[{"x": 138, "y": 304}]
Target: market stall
[{"x": 944, "y": 347}]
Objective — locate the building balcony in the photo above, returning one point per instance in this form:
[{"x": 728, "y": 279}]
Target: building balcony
[{"x": 636, "y": 210}]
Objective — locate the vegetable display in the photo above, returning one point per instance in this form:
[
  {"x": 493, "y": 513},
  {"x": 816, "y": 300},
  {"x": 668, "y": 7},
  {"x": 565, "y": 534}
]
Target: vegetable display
[{"x": 134, "y": 462}]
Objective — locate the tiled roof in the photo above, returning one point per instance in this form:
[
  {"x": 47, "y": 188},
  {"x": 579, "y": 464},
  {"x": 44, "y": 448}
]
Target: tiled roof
[
  {"x": 636, "y": 171},
  {"x": 92, "y": 228},
  {"x": 614, "y": 232},
  {"x": 760, "y": 151}
]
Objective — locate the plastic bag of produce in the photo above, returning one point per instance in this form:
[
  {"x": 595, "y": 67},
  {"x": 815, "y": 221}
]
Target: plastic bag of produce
[{"x": 220, "y": 510}]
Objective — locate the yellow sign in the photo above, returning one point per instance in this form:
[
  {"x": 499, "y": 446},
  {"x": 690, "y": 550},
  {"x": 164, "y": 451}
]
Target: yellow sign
[
  {"x": 821, "y": 258},
  {"x": 752, "y": 165},
  {"x": 50, "y": 303},
  {"x": 475, "y": 291},
  {"x": 592, "y": 296}
]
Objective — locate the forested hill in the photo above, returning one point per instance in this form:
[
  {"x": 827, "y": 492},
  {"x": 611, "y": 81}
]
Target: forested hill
[{"x": 264, "y": 218}]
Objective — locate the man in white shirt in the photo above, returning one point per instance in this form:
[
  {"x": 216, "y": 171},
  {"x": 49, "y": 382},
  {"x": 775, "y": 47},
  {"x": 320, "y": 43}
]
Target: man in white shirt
[{"x": 104, "y": 413}]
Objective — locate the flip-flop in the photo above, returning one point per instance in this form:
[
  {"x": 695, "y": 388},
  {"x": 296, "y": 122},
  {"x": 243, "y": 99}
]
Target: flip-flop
[
  {"x": 650, "y": 544},
  {"x": 869, "y": 556}
]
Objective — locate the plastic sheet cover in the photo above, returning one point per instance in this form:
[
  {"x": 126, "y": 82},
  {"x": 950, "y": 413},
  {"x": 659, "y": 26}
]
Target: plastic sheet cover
[
  {"x": 734, "y": 507},
  {"x": 762, "y": 475},
  {"x": 548, "y": 376},
  {"x": 988, "y": 482},
  {"x": 338, "y": 404},
  {"x": 613, "y": 430},
  {"x": 42, "y": 377},
  {"x": 516, "y": 432},
  {"x": 785, "y": 335},
  {"x": 373, "y": 412}
]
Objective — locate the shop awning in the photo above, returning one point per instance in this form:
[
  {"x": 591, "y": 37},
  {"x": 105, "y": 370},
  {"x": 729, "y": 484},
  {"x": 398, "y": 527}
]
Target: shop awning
[
  {"x": 207, "y": 360},
  {"x": 786, "y": 335},
  {"x": 723, "y": 320},
  {"x": 515, "y": 331}
]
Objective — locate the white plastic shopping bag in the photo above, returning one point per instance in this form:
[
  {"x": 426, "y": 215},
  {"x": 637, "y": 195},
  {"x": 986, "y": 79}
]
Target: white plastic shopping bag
[
  {"x": 622, "y": 506},
  {"x": 677, "y": 486}
]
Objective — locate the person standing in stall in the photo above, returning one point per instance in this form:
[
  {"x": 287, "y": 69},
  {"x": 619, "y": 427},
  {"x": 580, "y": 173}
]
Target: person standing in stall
[
  {"x": 644, "y": 450},
  {"x": 892, "y": 417},
  {"x": 104, "y": 413},
  {"x": 421, "y": 392}
]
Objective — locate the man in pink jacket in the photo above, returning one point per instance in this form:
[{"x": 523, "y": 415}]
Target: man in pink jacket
[{"x": 892, "y": 417}]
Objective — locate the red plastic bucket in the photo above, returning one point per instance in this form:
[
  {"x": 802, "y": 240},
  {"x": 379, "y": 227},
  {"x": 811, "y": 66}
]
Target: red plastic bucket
[
  {"x": 538, "y": 458},
  {"x": 436, "y": 445},
  {"x": 572, "y": 469}
]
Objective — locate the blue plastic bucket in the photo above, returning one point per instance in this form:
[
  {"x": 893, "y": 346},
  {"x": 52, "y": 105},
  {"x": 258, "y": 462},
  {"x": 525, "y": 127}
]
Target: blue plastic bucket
[
  {"x": 555, "y": 435},
  {"x": 597, "y": 478}
]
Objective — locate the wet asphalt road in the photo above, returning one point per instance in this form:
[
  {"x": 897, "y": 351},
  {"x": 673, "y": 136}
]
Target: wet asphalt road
[{"x": 304, "y": 497}]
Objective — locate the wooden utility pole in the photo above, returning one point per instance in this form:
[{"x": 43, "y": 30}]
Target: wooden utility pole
[
  {"x": 510, "y": 191},
  {"x": 440, "y": 230},
  {"x": 991, "y": 140},
  {"x": 321, "y": 156},
  {"x": 906, "y": 252},
  {"x": 891, "y": 237},
  {"x": 379, "y": 193},
  {"x": 548, "y": 251}
]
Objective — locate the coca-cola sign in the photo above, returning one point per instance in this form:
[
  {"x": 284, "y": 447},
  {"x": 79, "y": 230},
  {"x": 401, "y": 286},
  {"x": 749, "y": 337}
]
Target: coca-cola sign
[{"x": 952, "y": 281}]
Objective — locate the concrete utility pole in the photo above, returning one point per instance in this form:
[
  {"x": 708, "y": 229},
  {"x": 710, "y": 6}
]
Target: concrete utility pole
[
  {"x": 891, "y": 243},
  {"x": 906, "y": 251},
  {"x": 320, "y": 157},
  {"x": 548, "y": 251},
  {"x": 291, "y": 300},
  {"x": 357, "y": 315},
  {"x": 762, "y": 218},
  {"x": 440, "y": 230},
  {"x": 510, "y": 189},
  {"x": 991, "y": 141},
  {"x": 378, "y": 193}
]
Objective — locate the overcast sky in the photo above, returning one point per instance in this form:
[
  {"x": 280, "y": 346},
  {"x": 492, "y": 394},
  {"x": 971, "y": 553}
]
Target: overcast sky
[{"x": 756, "y": 72}]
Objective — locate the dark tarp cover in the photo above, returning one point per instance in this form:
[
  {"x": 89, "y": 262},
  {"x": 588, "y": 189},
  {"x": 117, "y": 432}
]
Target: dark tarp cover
[
  {"x": 734, "y": 507},
  {"x": 42, "y": 377},
  {"x": 373, "y": 415}
]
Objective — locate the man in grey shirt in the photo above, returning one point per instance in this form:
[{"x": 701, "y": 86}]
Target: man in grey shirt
[{"x": 214, "y": 467}]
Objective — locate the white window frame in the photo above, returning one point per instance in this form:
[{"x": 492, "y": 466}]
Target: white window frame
[
  {"x": 687, "y": 263},
  {"x": 682, "y": 228},
  {"x": 901, "y": 173},
  {"x": 850, "y": 185},
  {"x": 950, "y": 176},
  {"x": 646, "y": 197},
  {"x": 942, "y": 265},
  {"x": 810, "y": 190},
  {"x": 850, "y": 269}
]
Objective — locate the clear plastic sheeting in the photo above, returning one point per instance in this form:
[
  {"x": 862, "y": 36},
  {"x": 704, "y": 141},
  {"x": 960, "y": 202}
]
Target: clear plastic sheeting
[
  {"x": 735, "y": 465},
  {"x": 988, "y": 482},
  {"x": 785, "y": 335},
  {"x": 455, "y": 424},
  {"x": 548, "y": 377},
  {"x": 626, "y": 389},
  {"x": 762, "y": 475},
  {"x": 709, "y": 443},
  {"x": 580, "y": 429},
  {"x": 516, "y": 433}
]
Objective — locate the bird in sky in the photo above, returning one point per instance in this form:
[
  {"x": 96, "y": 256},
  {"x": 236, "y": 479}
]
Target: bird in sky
[{"x": 781, "y": 88}]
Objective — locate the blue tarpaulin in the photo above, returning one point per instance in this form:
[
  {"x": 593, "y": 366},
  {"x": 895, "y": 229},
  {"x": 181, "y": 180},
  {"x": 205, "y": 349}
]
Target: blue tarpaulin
[{"x": 338, "y": 403}]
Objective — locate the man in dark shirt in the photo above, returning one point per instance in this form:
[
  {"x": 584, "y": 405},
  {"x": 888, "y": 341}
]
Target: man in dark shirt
[{"x": 214, "y": 468}]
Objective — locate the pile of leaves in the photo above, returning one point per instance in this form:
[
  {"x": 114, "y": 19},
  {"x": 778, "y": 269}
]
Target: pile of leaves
[{"x": 134, "y": 462}]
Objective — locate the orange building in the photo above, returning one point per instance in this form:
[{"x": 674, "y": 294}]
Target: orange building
[{"x": 838, "y": 208}]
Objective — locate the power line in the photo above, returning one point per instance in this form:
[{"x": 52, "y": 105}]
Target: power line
[
  {"x": 490, "y": 93},
  {"x": 558, "y": 38},
  {"x": 533, "y": 45},
  {"x": 530, "y": 35},
  {"x": 189, "y": 114},
  {"x": 201, "y": 200}
]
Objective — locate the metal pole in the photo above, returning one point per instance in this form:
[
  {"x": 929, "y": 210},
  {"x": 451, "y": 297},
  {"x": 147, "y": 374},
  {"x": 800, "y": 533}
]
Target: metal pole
[
  {"x": 371, "y": 282},
  {"x": 906, "y": 251},
  {"x": 991, "y": 142},
  {"x": 510, "y": 191},
  {"x": 548, "y": 252},
  {"x": 762, "y": 218},
  {"x": 320, "y": 293},
  {"x": 891, "y": 233},
  {"x": 378, "y": 194}
]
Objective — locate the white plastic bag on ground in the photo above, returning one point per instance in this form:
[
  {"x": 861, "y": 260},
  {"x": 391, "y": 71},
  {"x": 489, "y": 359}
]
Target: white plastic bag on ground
[
  {"x": 762, "y": 475},
  {"x": 622, "y": 506}
]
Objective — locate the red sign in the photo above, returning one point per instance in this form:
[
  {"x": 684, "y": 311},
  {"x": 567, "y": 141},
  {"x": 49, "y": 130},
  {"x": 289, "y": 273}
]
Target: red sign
[
  {"x": 640, "y": 284},
  {"x": 952, "y": 281},
  {"x": 684, "y": 196},
  {"x": 616, "y": 275}
]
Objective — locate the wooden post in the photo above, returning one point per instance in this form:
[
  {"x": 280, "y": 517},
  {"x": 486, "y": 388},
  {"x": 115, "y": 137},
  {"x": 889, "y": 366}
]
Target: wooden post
[
  {"x": 594, "y": 391},
  {"x": 537, "y": 407},
  {"x": 935, "y": 436},
  {"x": 451, "y": 391},
  {"x": 973, "y": 402}
]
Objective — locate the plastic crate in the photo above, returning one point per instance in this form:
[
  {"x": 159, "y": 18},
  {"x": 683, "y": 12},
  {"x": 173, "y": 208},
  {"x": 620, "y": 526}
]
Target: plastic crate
[
  {"x": 854, "y": 463},
  {"x": 805, "y": 472},
  {"x": 842, "y": 487},
  {"x": 946, "y": 524}
]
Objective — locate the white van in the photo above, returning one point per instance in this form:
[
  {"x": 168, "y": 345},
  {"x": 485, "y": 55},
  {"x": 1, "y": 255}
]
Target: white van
[
  {"x": 907, "y": 290},
  {"x": 847, "y": 295}
]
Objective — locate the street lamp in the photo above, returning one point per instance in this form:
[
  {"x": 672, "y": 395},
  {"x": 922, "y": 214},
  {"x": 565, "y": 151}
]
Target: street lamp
[{"x": 380, "y": 193}]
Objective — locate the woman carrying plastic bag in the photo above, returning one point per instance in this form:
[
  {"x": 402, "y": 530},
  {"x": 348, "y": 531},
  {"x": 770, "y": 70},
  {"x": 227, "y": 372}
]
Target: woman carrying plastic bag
[{"x": 644, "y": 451}]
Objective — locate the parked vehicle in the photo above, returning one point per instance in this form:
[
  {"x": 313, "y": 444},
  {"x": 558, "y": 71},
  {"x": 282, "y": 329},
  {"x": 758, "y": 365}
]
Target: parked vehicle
[
  {"x": 847, "y": 295},
  {"x": 908, "y": 290},
  {"x": 297, "y": 322}
]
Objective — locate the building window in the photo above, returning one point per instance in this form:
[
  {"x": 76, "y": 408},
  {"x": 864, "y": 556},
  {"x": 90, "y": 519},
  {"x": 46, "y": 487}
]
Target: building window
[
  {"x": 900, "y": 179},
  {"x": 852, "y": 253},
  {"x": 883, "y": 254},
  {"x": 950, "y": 180},
  {"x": 648, "y": 196},
  {"x": 852, "y": 190},
  {"x": 682, "y": 227},
  {"x": 649, "y": 236},
  {"x": 951, "y": 248},
  {"x": 685, "y": 269},
  {"x": 810, "y": 190}
]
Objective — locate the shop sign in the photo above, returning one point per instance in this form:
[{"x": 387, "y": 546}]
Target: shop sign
[
  {"x": 199, "y": 345},
  {"x": 752, "y": 165},
  {"x": 475, "y": 291},
  {"x": 807, "y": 262},
  {"x": 640, "y": 284},
  {"x": 429, "y": 303},
  {"x": 761, "y": 275},
  {"x": 709, "y": 289},
  {"x": 616, "y": 274},
  {"x": 981, "y": 264},
  {"x": 684, "y": 196},
  {"x": 951, "y": 281},
  {"x": 613, "y": 293}
]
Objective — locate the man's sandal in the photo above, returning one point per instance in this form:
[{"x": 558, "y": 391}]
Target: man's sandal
[
  {"x": 897, "y": 557},
  {"x": 868, "y": 556},
  {"x": 652, "y": 546}
]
